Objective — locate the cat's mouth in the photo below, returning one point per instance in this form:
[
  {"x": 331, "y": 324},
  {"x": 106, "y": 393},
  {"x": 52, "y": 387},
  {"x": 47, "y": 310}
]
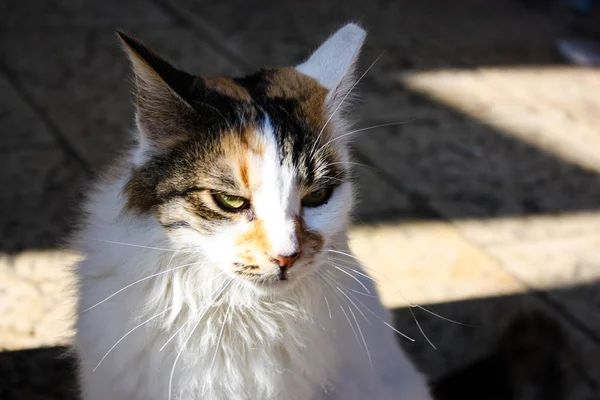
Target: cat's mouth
[{"x": 270, "y": 279}]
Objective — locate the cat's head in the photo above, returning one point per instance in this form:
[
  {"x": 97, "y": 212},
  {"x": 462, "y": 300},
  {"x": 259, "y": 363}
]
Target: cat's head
[{"x": 251, "y": 172}]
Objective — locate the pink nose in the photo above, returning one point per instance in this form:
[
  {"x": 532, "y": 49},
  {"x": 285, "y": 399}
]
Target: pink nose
[{"x": 285, "y": 262}]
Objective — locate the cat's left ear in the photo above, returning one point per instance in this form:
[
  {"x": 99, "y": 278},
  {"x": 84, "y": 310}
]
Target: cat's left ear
[
  {"x": 333, "y": 64},
  {"x": 162, "y": 105}
]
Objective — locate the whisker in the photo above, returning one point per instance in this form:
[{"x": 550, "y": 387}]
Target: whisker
[
  {"x": 377, "y": 316},
  {"x": 127, "y": 334},
  {"x": 336, "y": 296},
  {"x": 421, "y": 329},
  {"x": 353, "y": 277},
  {"x": 409, "y": 304},
  {"x": 354, "y": 304},
  {"x": 409, "y": 308},
  {"x": 357, "y": 324},
  {"x": 355, "y": 163},
  {"x": 363, "y": 294},
  {"x": 382, "y": 320},
  {"x": 142, "y": 246},
  {"x": 343, "y": 289},
  {"x": 312, "y": 151},
  {"x": 138, "y": 281},
  {"x": 360, "y": 332},
  {"x": 441, "y": 316},
  {"x": 362, "y": 130},
  {"x": 327, "y": 303}
]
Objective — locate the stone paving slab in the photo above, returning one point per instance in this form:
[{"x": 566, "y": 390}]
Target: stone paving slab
[
  {"x": 86, "y": 93},
  {"x": 21, "y": 127},
  {"x": 552, "y": 108},
  {"x": 36, "y": 299},
  {"x": 488, "y": 320},
  {"x": 471, "y": 171},
  {"x": 427, "y": 263},
  {"x": 39, "y": 209}
]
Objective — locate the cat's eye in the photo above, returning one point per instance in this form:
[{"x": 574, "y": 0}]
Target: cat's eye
[
  {"x": 317, "y": 198},
  {"x": 230, "y": 202}
]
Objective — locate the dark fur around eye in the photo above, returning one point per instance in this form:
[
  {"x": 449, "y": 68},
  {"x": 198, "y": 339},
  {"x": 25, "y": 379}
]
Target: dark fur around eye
[{"x": 318, "y": 197}]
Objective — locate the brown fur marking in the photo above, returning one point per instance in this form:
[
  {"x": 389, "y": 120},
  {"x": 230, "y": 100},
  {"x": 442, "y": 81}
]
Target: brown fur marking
[
  {"x": 288, "y": 83},
  {"x": 227, "y": 86}
]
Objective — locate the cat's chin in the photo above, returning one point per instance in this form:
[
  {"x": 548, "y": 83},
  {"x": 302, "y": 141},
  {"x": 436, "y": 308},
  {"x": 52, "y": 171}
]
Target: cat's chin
[{"x": 275, "y": 286}]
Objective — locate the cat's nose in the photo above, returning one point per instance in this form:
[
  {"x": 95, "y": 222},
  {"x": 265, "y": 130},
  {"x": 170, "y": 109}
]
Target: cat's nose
[{"x": 285, "y": 261}]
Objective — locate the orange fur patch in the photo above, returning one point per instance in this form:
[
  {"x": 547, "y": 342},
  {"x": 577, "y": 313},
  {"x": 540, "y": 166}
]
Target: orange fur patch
[
  {"x": 238, "y": 149},
  {"x": 255, "y": 239}
]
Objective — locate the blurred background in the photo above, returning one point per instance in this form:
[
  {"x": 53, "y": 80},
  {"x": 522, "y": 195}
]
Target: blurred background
[{"x": 481, "y": 203}]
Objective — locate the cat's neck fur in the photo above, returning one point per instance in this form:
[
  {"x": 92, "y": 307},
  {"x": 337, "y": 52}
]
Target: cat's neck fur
[{"x": 229, "y": 320}]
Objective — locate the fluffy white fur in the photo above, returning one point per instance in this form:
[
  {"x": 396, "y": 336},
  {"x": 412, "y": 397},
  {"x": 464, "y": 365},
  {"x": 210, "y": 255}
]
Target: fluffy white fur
[{"x": 225, "y": 339}]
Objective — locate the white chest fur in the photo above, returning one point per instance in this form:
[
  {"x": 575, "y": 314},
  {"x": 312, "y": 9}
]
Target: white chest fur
[{"x": 232, "y": 346}]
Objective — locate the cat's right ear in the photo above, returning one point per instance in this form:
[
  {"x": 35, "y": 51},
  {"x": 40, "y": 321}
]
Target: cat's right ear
[
  {"x": 333, "y": 64},
  {"x": 161, "y": 90}
]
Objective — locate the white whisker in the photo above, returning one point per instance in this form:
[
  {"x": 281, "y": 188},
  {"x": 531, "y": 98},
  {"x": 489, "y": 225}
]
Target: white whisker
[
  {"x": 353, "y": 277},
  {"x": 342, "y": 288},
  {"x": 362, "y": 130},
  {"x": 363, "y": 294},
  {"x": 441, "y": 316},
  {"x": 409, "y": 303},
  {"x": 360, "y": 332},
  {"x": 382, "y": 320},
  {"x": 355, "y": 320},
  {"x": 421, "y": 329},
  {"x": 127, "y": 334},
  {"x": 327, "y": 303},
  {"x": 138, "y": 281},
  {"x": 355, "y": 163},
  {"x": 142, "y": 246},
  {"x": 341, "y": 308}
]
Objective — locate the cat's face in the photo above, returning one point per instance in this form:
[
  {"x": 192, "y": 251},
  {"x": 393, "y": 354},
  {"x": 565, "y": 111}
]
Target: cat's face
[{"x": 248, "y": 171}]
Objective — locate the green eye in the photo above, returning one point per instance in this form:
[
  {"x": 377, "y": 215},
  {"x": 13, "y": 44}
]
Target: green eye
[
  {"x": 229, "y": 202},
  {"x": 317, "y": 198}
]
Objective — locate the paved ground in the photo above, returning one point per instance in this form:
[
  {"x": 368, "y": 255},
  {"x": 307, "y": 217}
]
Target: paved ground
[{"x": 483, "y": 205}]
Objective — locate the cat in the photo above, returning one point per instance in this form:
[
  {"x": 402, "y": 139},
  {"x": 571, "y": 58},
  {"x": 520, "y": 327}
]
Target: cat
[{"x": 216, "y": 260}]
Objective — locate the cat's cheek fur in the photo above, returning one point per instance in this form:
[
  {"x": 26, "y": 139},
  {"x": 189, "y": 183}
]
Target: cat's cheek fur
[{"x": 330, "y": 219}]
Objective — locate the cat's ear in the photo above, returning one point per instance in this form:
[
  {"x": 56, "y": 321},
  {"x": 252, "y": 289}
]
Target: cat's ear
[
  {"x": 162, "y": 108},
  {"x": 333, "y": 64}
]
